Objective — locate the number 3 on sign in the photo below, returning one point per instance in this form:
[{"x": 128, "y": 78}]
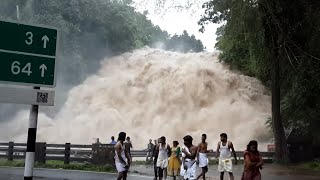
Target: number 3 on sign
[
  {"x": 15, "y": 68},
  {"x": 29, "y": 41}
]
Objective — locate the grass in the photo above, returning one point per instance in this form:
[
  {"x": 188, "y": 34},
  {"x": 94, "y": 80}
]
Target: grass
[
  {"x": 52, "y": 164},
  {"x": 15, "y": 163},
  {"x": 314, "y": 165}
]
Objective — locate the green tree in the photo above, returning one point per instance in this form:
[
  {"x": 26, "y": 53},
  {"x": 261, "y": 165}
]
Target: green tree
[
  {"x": 184, "y": 43},
  {"x": 274, "y": 41}
]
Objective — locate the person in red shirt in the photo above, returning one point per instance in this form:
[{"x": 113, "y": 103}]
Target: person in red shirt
[{"x": 252, "y": 162}]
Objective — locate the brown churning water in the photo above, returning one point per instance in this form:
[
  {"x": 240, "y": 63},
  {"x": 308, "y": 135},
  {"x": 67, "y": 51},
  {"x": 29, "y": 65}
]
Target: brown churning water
[{"x": 150, "y": 93}]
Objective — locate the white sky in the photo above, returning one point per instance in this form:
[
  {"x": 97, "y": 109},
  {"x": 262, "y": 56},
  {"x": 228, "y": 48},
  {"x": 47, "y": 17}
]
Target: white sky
[{"x": 174, "y": 21}]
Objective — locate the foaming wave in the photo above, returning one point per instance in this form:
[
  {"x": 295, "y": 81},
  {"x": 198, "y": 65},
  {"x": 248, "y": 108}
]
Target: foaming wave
[{"x": 150, "y": 93}]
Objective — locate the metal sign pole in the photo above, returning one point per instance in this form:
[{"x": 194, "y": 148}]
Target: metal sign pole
[
  {"x": 31, "y": 142},
  {"x": 32, "y": 134}
]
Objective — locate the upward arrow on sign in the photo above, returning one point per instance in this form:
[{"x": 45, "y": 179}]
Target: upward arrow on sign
[
  {"x": 43, "y": 68},
  {"x": 45, "y": 39}
]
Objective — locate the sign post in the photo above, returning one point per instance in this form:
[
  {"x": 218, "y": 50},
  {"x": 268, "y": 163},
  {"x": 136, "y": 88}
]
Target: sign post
[
  {"x": 31, "y": 141},
  {"x": 27, "y": 57}
]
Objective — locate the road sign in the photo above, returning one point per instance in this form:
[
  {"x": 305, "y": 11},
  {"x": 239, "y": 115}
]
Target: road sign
[
  {"x": 26, "y": 69},
  {"x": 27, "y": 54},
  {"x": 26, "y": 96}
]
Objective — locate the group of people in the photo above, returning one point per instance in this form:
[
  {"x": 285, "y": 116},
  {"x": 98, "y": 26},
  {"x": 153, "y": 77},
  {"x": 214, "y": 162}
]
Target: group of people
[{"x": 182, "y": 161}]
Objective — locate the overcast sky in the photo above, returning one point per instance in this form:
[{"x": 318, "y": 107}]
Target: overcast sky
[{"x": 169, "y": 17}]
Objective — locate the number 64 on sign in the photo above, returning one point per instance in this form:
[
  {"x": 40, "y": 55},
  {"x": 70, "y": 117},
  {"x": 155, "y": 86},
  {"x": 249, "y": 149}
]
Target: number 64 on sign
[
  {"x": 25, "y": 69},
  {"x": 16, "y": 69}
]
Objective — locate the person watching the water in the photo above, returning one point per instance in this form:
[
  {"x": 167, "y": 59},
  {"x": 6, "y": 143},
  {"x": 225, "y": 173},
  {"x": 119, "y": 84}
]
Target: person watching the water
[
  {"x": 224, "y": 149},
  {"x": 149, "y": 150},
  {"x": 113, "y": 142},
  {"x": 155, "y": 158},
  {"x": 128, "y": 146},
  {"x": 122, "y": 158}
]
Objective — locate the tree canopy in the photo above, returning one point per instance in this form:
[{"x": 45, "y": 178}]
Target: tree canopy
[
  {"x": 293, "y": 29},
  {"x": 91, "y": 30}
]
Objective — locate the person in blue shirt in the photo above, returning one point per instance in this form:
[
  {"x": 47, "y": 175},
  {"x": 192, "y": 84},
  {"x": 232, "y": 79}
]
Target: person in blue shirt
[{"x": 112, "y": 140}]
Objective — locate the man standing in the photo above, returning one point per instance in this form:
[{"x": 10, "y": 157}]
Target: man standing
[
  {"x": 202, "y": 156},
  {"x": 224, "y": 154},
  {"x": 164, "y": 151},
  {"x": 149, "y": 150},
  {"x": 155, "y": 158},
  {"x": 189, "y": 154},
  {"x": 112, "y": 141},
  {"x": 128, "y": 146},
  {"x": 122, "y": 158}
]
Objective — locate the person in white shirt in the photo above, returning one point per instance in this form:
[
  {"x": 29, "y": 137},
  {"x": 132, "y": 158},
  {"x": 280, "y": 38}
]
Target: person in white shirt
[
  {"x": 224, "y": 149},
  {"x": 189, "y": 153},
  {"x": 164, "y": 151},
  {"x": 122, "y": 158}
]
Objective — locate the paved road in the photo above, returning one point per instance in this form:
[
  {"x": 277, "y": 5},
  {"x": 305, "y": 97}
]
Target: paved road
[
  {"x": 269, "y": 172},
  {"x": 47, "y": 174}
]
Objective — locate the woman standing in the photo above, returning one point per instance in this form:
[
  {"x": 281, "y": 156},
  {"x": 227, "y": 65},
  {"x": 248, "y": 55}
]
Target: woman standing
[
  {"x": 174, "y": 161},
  {"x": 252, "y": 162}
]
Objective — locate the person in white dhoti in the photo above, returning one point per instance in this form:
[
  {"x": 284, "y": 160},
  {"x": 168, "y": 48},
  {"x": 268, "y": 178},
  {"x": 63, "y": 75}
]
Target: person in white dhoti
[
  {"x": 164, "y": 151},
  {"x": 224, "y": 149},
  {"x": 189, "y": 153},
  {"x": 122, "y": 158},
  {"x": 183, "y": 156},
  {"x": 202, "y": 156}
]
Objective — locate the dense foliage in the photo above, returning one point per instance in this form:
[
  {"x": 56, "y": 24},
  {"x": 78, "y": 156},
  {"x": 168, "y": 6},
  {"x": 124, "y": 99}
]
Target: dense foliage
[
  {"x": 294, "y": 31},
  {"x": 91, "y": 30}
]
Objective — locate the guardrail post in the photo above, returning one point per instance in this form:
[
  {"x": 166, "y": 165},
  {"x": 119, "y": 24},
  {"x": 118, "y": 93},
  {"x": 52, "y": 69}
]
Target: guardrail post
[
  {"x": 67, "y": 149},
  {"x": 10, "y": 151},
  {"x": 43, "y": 154},
  {"x": 40, "y": 152}
]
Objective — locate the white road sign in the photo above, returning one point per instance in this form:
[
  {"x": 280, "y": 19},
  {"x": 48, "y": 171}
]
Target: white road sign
[{"x": 26, "y": 96}]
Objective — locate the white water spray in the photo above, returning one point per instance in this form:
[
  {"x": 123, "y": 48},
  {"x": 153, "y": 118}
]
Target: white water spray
[{"x": 150, "y": 93}]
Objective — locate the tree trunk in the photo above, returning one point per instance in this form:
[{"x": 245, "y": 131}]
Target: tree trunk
[
  {"x": 274, "y": 38},
  {"x": 278, "y": 130}
]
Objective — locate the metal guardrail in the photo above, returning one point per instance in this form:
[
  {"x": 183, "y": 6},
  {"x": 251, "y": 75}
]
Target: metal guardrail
[
  {"x": 77, "y": 152},
  {"x": 265, "y": 155}
]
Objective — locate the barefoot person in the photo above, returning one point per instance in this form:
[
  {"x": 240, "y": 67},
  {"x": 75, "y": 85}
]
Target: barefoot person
[
  {"x": 252, "y": 162},
  {"x": 202, "y": 156},
  {"x": 224, "y": 149},
  {"x": 122, "y": 158},
  {"x": 174, "y": 161},
  {"x": 189, "y": 159},
  {"x": 163, "y": 153}
]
